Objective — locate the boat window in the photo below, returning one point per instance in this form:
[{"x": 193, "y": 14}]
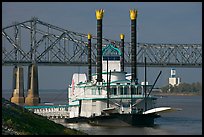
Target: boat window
[
  {"x": 99, "y": 90},
  {"x": 113, "y": 90},
  {"x": 121, "y": 90},
  {"x": 133, "y": 90},
  {"x": 93, "y": 91},
  {"x": 111, "y": 57},
  {"x": 139, "y": 90},
  {"x": 125, "y": 92}
]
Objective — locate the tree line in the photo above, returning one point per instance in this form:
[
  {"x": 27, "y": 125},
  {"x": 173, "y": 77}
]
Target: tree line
[{"x": 183, "y": 88}]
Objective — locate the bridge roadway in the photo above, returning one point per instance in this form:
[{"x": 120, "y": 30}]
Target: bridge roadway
[{"x": 37, "y": 41}]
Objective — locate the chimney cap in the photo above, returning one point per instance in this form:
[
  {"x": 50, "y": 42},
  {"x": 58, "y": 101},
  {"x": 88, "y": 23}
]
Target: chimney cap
[
  {"x": 122, "y": 36},
  {"x": 89, "y": 36},
  {"x": 99, "y": 14},
  {"x": 133, "y": 14}
]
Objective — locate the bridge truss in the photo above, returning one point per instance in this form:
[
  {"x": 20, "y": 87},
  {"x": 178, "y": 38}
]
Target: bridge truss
[{"x": 37, "y": 41}]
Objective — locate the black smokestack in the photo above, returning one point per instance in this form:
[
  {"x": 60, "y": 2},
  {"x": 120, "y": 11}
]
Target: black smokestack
[
  {"x": 133, "y": 16},
  {"x": 122, "y": 51},
  {"x": 99, "y": 16},
  {"x": 89, "y": 57}
]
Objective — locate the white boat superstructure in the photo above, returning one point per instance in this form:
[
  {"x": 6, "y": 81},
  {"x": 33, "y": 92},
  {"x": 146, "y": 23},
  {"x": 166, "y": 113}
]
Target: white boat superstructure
[
  {"x": 111, "y": 94},
  {"x": 91, "y": 98}
]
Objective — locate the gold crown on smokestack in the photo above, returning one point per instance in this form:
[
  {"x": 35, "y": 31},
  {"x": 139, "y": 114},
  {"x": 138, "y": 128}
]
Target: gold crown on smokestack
[
  {"x": 122, "y": 36},
  {"x": 99, "y": 14},
  {"x": 89, "y": 36},
  {"x": 133, "y": 14}
]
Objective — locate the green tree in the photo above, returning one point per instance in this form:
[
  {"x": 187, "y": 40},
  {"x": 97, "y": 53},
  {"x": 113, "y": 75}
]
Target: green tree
[{"x": 183, "y": 88}]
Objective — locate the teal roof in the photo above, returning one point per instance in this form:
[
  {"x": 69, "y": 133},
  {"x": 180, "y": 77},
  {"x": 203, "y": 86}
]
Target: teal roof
[{"x": 111, "y": 50}]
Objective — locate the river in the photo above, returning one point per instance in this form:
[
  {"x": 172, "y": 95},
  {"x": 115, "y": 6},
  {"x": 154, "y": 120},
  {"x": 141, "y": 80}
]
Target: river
[{"x": 187, "y": 121}]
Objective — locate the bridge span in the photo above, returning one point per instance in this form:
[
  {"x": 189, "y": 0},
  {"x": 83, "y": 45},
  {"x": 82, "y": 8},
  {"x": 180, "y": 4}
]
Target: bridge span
[{"x": 37, "y": 41}]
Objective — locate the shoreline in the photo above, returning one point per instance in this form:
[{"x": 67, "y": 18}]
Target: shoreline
[{"x": 178, "y": 94}]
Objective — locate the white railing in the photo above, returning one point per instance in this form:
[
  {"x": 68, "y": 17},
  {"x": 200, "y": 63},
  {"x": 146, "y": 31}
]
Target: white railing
[{"x": 52, "y": 112}]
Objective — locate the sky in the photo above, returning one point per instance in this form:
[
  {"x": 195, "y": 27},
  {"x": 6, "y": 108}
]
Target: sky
[{"x": 167, "y": 22}]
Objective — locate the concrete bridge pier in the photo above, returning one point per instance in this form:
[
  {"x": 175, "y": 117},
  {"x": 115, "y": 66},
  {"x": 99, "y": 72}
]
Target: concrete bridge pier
[
  {"x": 32, "y": 98},
  {"x": 18, "y": 86}
]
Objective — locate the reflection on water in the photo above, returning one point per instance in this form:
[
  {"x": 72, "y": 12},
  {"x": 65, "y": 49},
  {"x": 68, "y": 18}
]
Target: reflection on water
[
  {"x": 188, "y": 121},
  {"x": 109, "y": 130}
]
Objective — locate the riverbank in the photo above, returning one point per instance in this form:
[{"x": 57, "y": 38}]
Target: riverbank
[
  {"x": 19, "y": 121},
  {"x": 178, "y": 94}
]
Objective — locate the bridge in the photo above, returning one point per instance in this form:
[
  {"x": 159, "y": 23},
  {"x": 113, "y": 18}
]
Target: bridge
[{"x": 46, "y": 44}]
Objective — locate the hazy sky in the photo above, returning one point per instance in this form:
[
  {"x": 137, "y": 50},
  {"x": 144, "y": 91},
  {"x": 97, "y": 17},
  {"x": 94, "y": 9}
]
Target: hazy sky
[{"x": 157, "y": 23}]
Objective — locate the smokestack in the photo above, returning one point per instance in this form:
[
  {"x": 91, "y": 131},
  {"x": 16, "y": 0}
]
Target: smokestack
[
  {"x": 133, "y": 16},
  {"x": 89, "y": 57},
  {"x": 99, "y": 17},
  {"x": 122, "y": 51}
]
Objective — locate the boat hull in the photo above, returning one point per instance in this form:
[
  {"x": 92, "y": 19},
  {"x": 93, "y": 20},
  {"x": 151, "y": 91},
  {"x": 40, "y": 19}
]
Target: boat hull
[
  {"x": 125, "y": 119},
  {"x": 118, "y": 120}
]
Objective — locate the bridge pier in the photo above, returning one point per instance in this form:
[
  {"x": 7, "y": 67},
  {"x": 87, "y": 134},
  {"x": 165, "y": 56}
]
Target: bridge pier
[
  {"x": 32, "y": 98},
  {"x": 18, "y": 86}
]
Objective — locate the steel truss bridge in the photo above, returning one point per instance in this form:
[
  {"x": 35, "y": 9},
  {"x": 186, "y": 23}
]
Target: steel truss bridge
[{"x": 37, "y": 41}]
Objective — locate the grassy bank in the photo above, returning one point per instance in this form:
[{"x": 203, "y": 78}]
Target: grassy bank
[{"x": 18, "y": 121}]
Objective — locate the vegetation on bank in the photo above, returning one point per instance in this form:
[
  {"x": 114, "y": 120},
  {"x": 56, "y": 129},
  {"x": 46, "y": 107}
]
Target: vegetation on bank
[
  {"x": 19, "y": 121},
  {"x": 184, "y": 88}
]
